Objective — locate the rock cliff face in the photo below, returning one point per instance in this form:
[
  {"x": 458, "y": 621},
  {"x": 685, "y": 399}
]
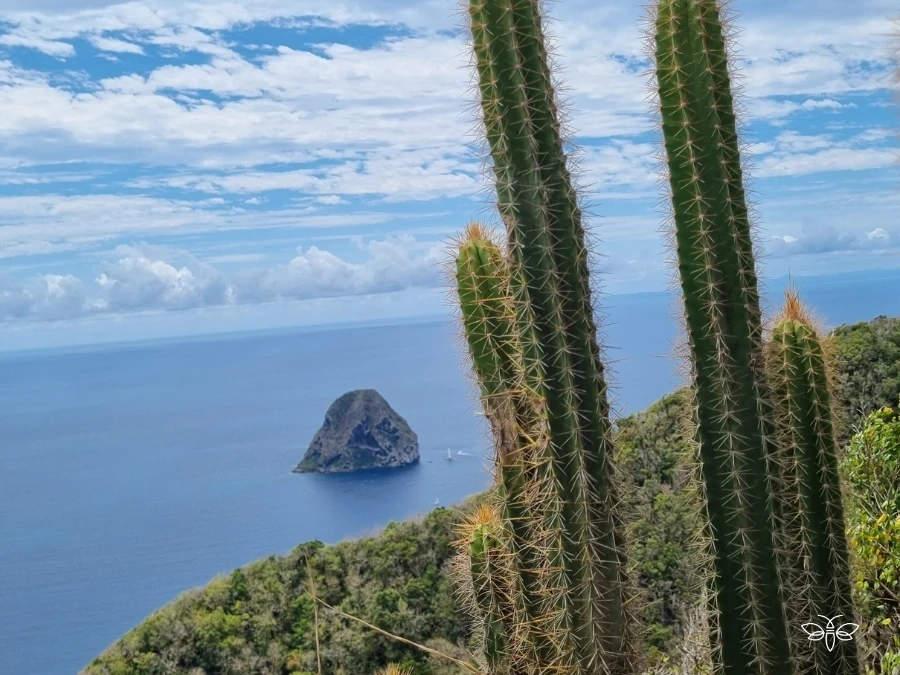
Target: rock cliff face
[{"x": 361, "y": 431}]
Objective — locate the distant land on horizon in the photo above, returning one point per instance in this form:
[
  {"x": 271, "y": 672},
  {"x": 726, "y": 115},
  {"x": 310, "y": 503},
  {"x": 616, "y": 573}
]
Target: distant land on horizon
[{"x": 770, "y": 288}]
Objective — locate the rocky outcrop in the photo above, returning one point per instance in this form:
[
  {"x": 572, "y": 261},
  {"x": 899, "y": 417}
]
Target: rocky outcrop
[{"x": 361, "y": 431}]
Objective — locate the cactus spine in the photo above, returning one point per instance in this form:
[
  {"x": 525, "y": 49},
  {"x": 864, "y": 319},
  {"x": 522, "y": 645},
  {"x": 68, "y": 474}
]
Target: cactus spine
[
  {"x": 819, "y": 581},
  {"x": 567, "y": 469},
  {"x": 718, "y": 282}
]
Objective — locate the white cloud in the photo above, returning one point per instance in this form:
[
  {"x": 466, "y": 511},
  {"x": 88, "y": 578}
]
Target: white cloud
[
  {"x": 107, "y": 44},
  {"x": 26, "y": 39},
  {"x": 143, "y": 278},
  {"x": 32, "y": 223},
  {"x": 880, "y": 235},
  {"x": 331, "y": 199},
  {"x": 391, "y": 265},
  {"x": 49, "y": 297},
  {"x": 47, "y": 223},
  {"x": 794, "y": 154},
  {"x": 775, "y": 111},
  {"x": 791, "y": 141},
  {"x": 831, "y": 159},
  {"x": 819, "y": 238},
  {"x": 618, "y": 164},
  {"x": 140, "y": 280},
  {"x": 823, "y": 55},
  {"x": 400, "y": 175},
  {"x": 14, "y": 177},
  {"x": 294, "y": 106},
  {"x": 825, "y": 104}
]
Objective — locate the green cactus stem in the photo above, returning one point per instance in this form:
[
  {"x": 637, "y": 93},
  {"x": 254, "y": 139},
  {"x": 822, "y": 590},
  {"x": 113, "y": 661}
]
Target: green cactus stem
[
  {"x": 488, "y": 319},
  {"x": 486, "y": 564},
  {"x": 808, "y": 451},
  {"x": 715, "y": 266},
  {"x": 556, "y": 328}
]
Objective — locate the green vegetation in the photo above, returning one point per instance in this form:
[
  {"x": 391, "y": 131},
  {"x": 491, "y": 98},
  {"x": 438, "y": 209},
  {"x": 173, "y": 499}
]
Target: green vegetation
[
  {"x": 868, "y": 367},
  {"x": 260, "y": 619},
  {"x": 872, "y": 469},
  {"x": 663, "y": 518}
]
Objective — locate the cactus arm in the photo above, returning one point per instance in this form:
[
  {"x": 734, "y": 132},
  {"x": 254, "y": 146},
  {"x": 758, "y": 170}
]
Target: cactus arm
[
  {"x": 487, "y": 572},
  {"x": 482, "y": 278},
  {"x": 820, "y": 579}
]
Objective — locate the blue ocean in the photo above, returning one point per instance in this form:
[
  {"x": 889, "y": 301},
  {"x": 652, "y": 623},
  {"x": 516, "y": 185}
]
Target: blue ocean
[{"x": 130, "y": 473}]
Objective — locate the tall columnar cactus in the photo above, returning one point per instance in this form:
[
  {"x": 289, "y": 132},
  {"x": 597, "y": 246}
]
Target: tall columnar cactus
[
  {"x": 483, "y": 288},
  {"x": 818, "y": 583},
  {"x": 718, "y": 282},
  {"x": 556, "y": 333}
]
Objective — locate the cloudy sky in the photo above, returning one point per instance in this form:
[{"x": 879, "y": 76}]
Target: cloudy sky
[{"x": 175, "y": 165}]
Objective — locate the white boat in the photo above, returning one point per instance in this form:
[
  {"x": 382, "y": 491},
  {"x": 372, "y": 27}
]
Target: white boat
[
  {"x": 437, "y": 502},
  {"x": 449, "y": 456}
]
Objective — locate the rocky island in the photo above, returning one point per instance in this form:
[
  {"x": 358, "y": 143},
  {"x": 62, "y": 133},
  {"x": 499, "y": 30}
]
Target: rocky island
[{"x": 361, "y": 431}]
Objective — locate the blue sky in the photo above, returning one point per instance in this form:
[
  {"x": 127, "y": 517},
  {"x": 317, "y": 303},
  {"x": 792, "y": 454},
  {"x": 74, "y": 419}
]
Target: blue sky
[{"x": 171, "y": 166}]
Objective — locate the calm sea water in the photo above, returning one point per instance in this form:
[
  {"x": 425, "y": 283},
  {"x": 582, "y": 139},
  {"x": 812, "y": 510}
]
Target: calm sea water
[{"x": 129, "y": 474}]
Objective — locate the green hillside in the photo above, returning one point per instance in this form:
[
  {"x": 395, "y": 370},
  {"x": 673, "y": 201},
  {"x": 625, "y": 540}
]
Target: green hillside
[{"x": 260, "y": 619}]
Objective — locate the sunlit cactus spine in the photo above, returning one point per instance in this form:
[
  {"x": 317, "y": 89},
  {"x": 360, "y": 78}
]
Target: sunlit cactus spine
[
  {"x": 393, "y": 669},
  {"x": 718, "y": 281},
  {"x": 571, "y": 477},
  {"x": 818, "y": 584}
]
